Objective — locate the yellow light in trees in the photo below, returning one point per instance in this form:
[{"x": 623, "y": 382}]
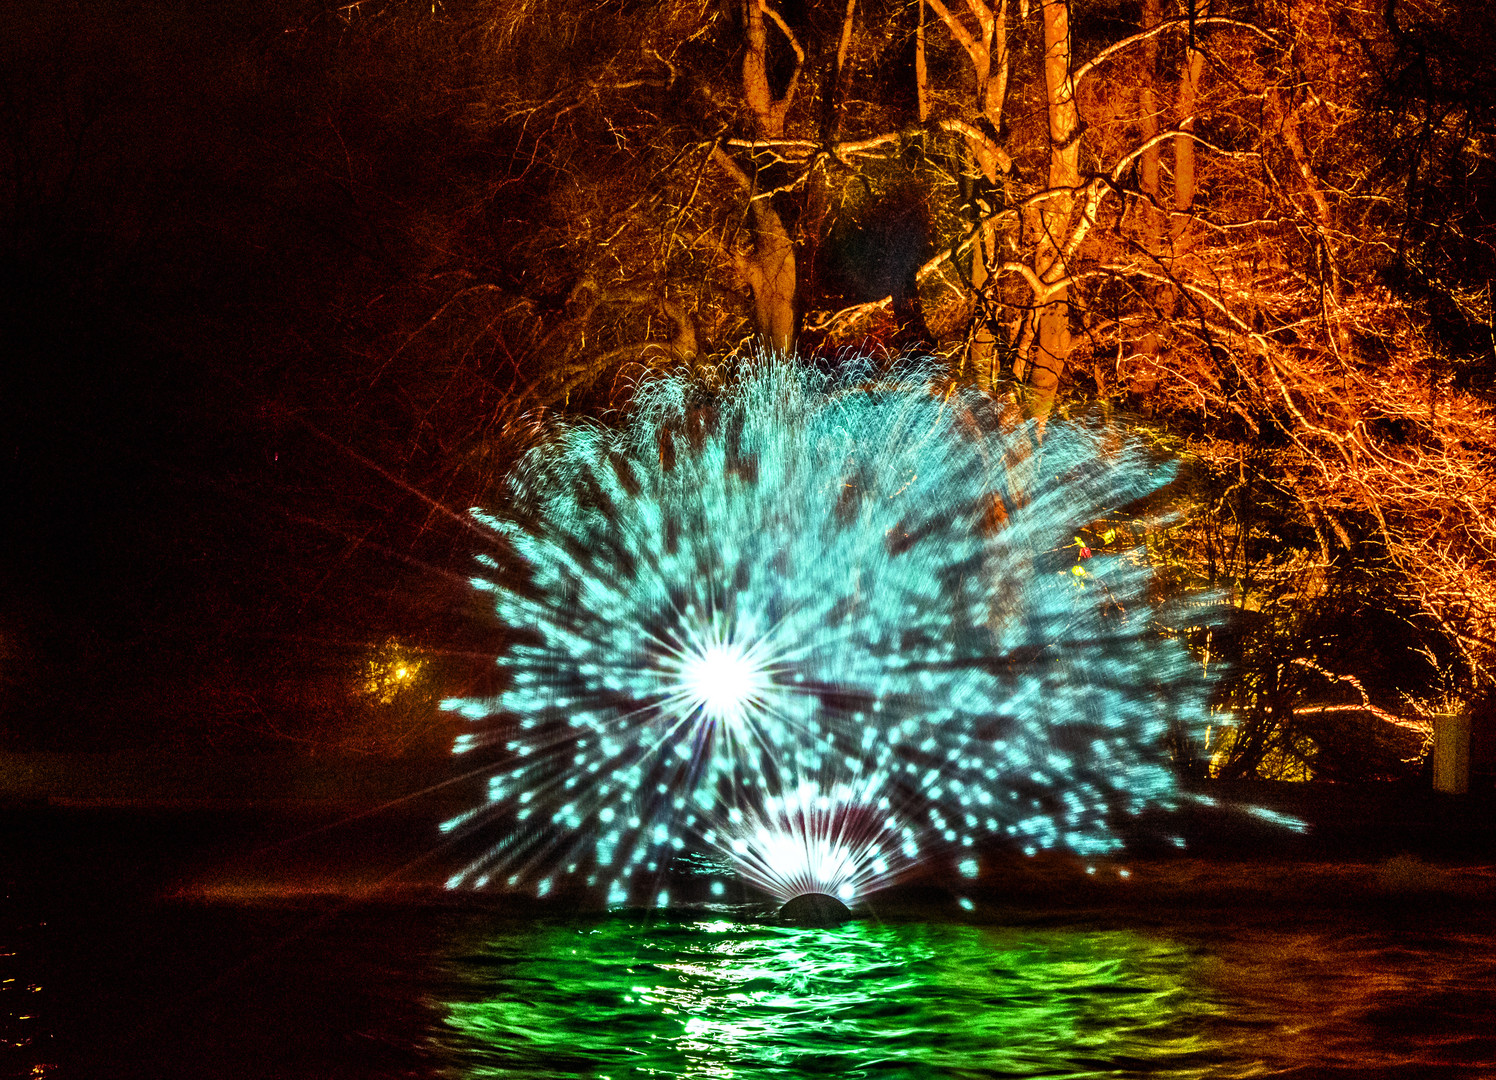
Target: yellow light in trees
[{"x": 391, "y": 670}]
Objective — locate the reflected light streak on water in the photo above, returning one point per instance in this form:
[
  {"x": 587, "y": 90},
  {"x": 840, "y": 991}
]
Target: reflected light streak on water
[{"x": 725, "y": 999}]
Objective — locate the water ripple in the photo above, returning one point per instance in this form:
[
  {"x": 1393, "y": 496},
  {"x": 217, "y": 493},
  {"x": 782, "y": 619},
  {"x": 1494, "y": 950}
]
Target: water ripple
[{"x": 726, "y": 999}]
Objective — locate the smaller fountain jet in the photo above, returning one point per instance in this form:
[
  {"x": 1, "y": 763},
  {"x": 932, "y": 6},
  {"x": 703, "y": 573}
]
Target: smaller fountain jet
[{"x": 820, "y": 847}]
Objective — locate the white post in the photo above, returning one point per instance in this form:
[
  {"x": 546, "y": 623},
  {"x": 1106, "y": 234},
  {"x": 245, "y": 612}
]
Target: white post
[{"x": 1452, "y": 752}]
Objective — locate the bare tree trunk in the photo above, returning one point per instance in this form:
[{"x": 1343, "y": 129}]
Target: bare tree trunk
[
  {"x": 988, "y": 50},
  {"x": 771, "y": 276},
  {"x": 1184, "y": 148},
  {"x": 1150, "y": 208},
  {"x": 982, "y": 354},
  {"x": 836, "y": 85},
  {"x": 1052, "y": 341},
  {"x": 768, "y": 111},
  {"x": 769, "y": 270},
  {"x": 1167, "y": 296},
  {"x": 992, "y": 92},
  {"x": 921, "y": 69}
]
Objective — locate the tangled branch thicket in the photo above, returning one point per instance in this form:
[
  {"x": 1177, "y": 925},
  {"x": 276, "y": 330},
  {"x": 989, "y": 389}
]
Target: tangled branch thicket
[{"x": 1261, "y": 230}]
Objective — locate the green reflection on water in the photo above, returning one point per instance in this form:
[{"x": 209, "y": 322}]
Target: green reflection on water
[{"x": 633, "y": 998}]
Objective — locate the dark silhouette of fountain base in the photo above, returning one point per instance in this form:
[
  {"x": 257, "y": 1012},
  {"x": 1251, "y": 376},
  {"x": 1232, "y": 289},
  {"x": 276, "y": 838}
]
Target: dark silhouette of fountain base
[{"x": 814, "y": 909}]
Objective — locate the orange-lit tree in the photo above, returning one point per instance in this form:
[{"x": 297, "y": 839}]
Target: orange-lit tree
[{"x": 1258, "y": 229}]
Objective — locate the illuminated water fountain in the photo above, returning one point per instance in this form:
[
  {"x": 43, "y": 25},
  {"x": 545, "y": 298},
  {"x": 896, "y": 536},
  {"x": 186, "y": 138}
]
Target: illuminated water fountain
[{"x": 824, "y": 629}]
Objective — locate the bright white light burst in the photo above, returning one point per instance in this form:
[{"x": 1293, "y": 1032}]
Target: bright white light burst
[{"x": 724, "y": 679}]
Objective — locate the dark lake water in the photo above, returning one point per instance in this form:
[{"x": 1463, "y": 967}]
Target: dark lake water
[{"x": 106, "y": 974}]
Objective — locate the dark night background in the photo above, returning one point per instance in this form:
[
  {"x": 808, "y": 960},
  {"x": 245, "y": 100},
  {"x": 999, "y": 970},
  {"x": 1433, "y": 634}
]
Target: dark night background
[{"x": 191, "y": 556}]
